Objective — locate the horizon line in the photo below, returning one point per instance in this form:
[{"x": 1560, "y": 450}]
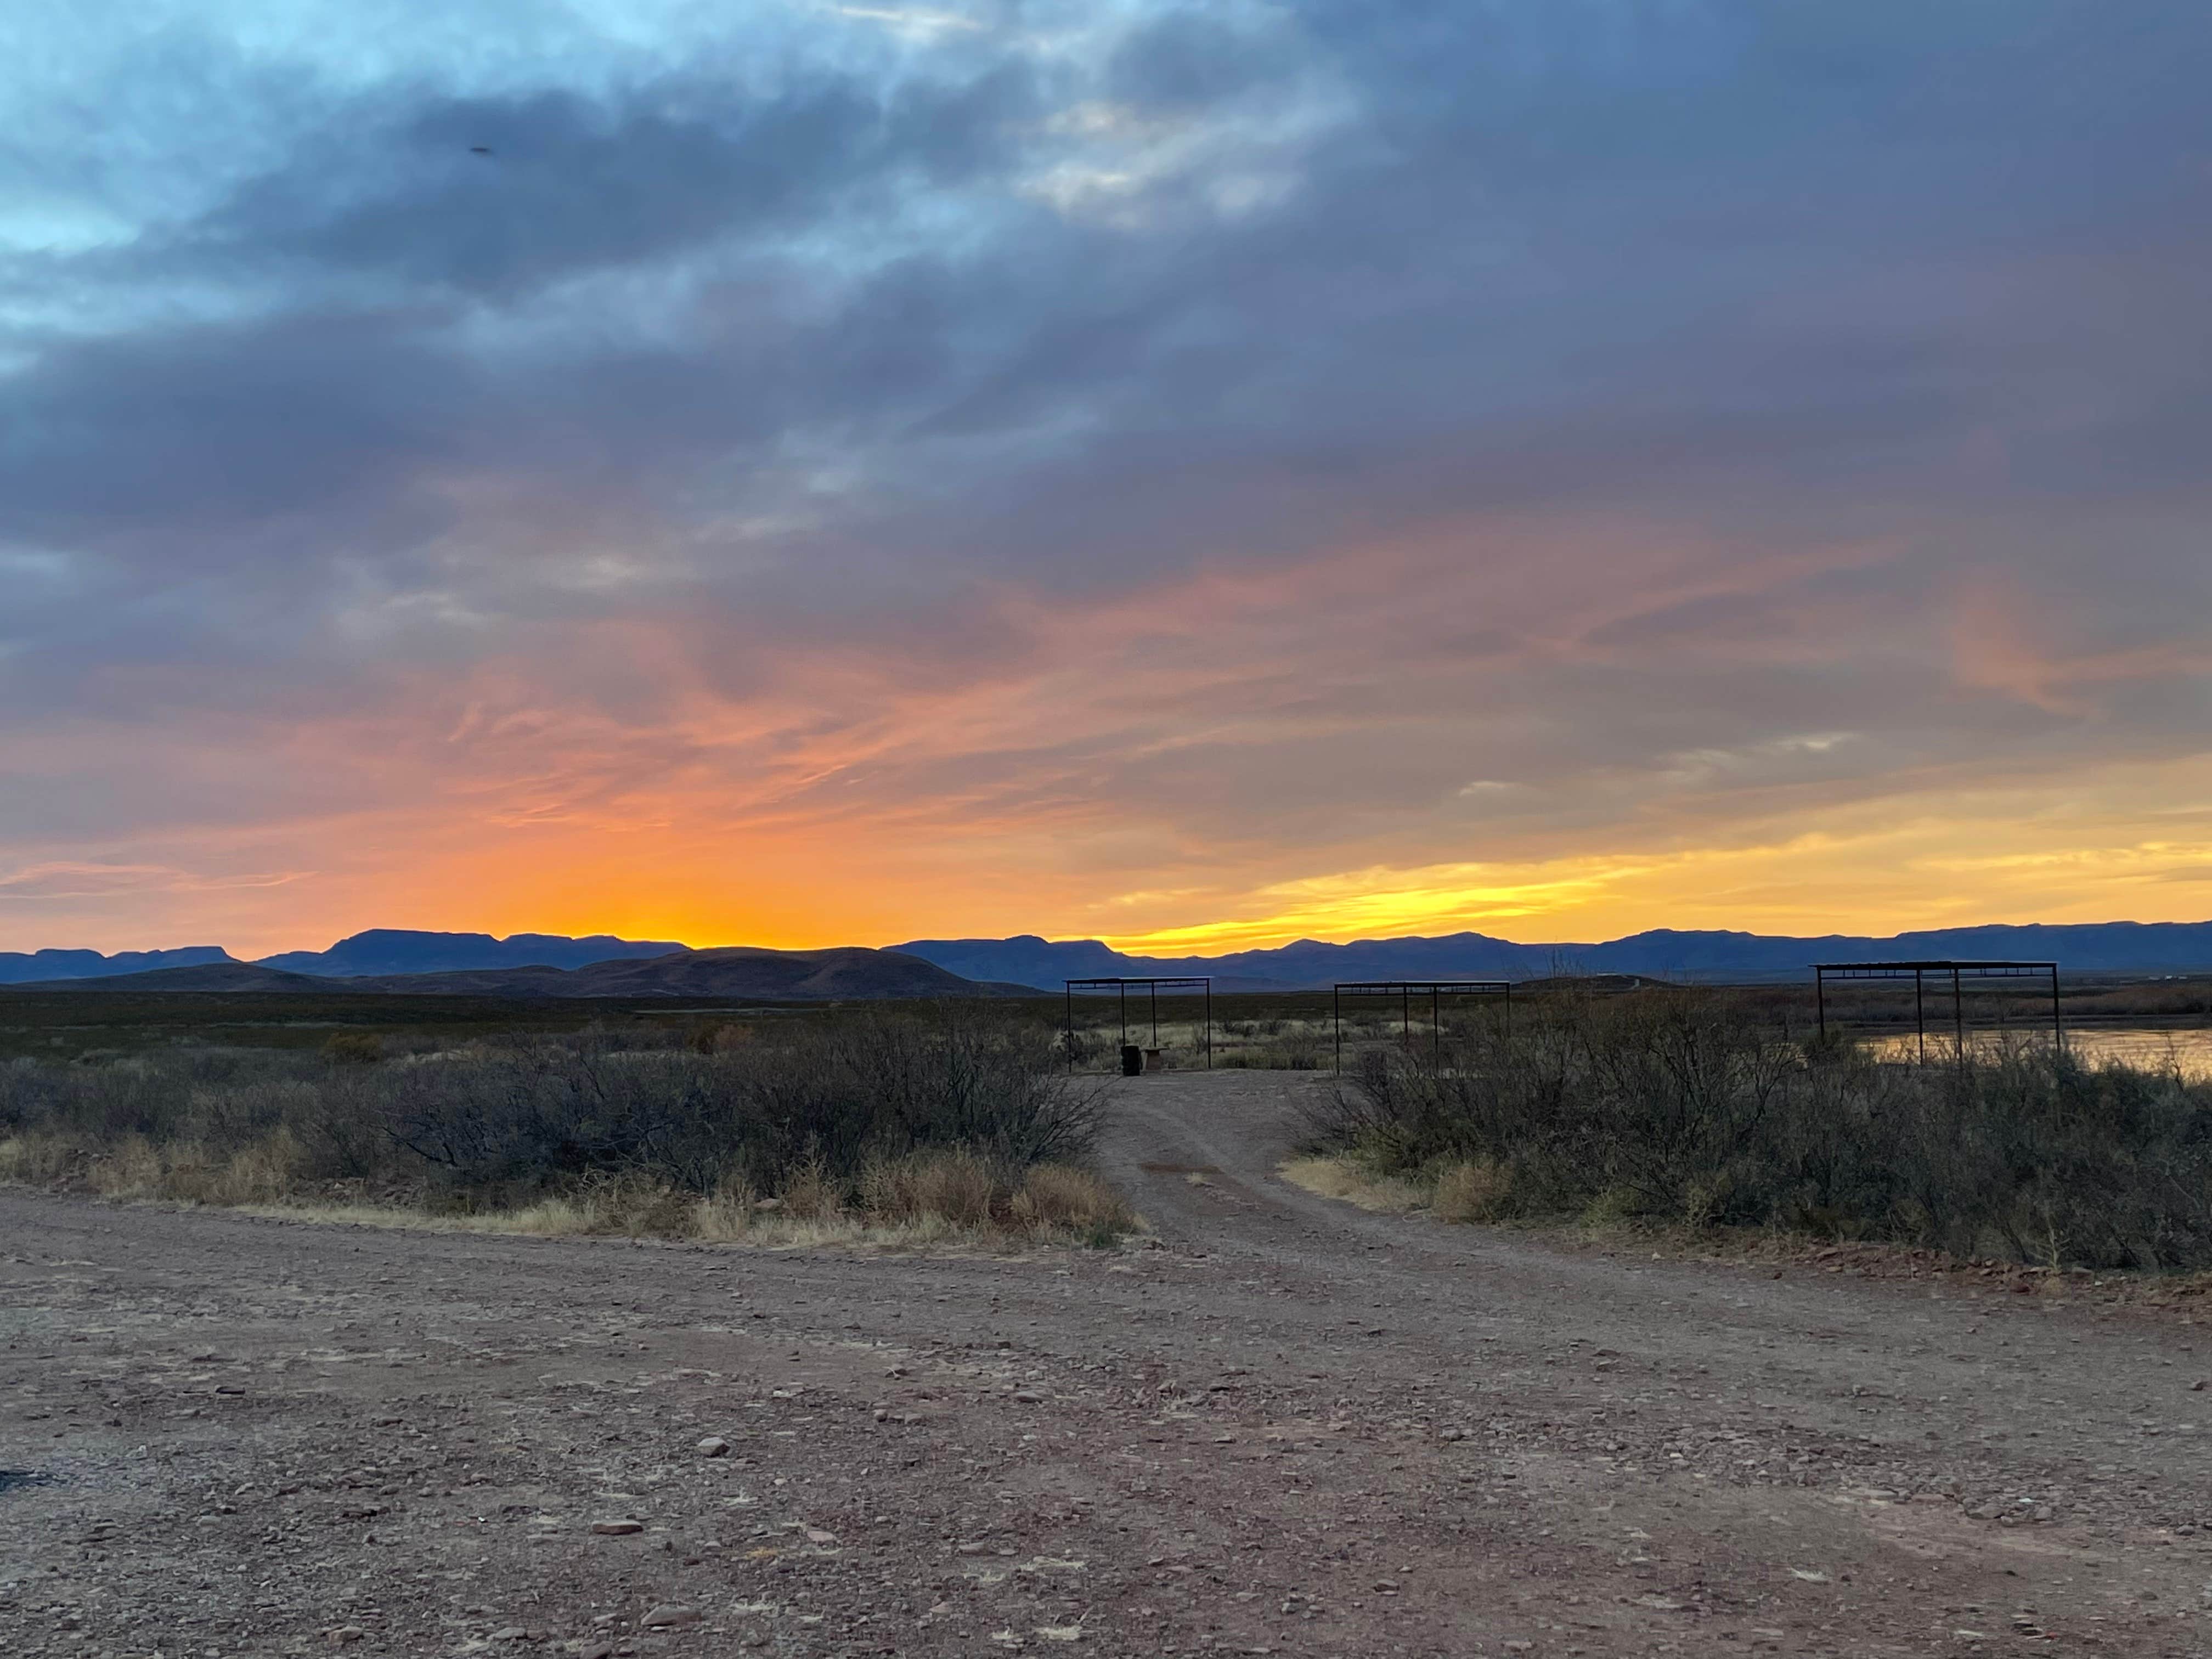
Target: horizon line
[{"x": 1132, "y": 948}]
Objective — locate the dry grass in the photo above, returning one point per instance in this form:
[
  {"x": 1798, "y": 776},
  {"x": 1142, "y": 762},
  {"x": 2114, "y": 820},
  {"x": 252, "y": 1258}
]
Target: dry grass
[
  {"x": 1463, "y": 1190},
  {"x": 934, "y": 1199},
  {"x": 1470, "y": 1189},
  {"x": 1275, "y": 1045},
  {"x": 133, "y": 1167},
  {"x": 958, "y": 1187},
  {"x": 1345, "y": 1178},
  {"x": 1766, "y": 1251},
  {"x": 33, "y": 1160},
  {"x": 1057, "y": 1196}
]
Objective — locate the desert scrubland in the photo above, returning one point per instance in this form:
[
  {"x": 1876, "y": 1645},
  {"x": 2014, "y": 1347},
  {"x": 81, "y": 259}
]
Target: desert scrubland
[{"x": 1585, "y": 1417}]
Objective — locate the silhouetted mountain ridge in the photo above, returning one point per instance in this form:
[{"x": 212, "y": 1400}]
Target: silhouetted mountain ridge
[
  {"x": 384, "y": 951},
  {"x": 552, "y": 964},
  {"x": 741, "y": 973},
  {"x": 1713, "y": 954},
  {"x": 22, "y": 967},
  {"x": 842, "y": 972}
]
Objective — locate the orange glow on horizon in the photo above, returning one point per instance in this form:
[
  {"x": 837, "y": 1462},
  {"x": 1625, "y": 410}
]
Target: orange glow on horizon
[
  {"x": 1875, "y": 882},
  {"x": 1146, "y": 770},
  {"x": 841, "y": 475}
]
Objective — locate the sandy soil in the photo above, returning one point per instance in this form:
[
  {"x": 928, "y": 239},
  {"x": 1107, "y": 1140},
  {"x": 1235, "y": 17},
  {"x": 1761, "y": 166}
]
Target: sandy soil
[{"x": 1292, "y": 1427}]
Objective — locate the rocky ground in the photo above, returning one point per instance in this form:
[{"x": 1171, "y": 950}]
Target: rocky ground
[{"x": 1285, "y": 1427}]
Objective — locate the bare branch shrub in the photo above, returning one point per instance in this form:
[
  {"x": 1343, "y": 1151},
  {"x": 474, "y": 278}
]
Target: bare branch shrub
[
  {"x": 1680, "y": 1106},
  {"x": 944, "y": 1112}
]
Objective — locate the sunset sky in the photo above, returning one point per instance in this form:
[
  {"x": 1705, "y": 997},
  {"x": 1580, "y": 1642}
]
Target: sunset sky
[{"x": 1196, "y": 476}]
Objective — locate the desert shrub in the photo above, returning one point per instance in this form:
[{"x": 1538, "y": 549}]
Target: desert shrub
[
  {"x": 959, "y": 1080},
  {"x": 1679, "y": 1107},
  {"x": 649, "y": 1132},
  {"x": 823, "y": 1104}
]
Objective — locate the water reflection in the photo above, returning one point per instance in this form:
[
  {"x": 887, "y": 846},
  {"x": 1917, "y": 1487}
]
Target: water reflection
[{"x": 2188, "y": 1052}]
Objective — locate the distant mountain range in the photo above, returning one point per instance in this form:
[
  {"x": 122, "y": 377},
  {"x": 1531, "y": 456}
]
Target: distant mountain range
[
  {"x": 552, "y": 964},
  {"x": 19, "y": 966},
  {"x": 404, "y": 950},
  {"x": 736, "y": 972},
  {"x": 380, "y": 951},
  {"x": 2092, "y": 947}
]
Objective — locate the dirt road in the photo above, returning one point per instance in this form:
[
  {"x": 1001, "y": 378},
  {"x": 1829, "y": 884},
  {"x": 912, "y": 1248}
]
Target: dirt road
[{"x": 1291, "y": 1428}]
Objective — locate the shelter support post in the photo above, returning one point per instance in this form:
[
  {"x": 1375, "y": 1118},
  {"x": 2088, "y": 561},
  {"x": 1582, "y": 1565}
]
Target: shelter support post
[
  {"x": 1960, "y": 970},
  {"x": 1150, "y": 1010}
]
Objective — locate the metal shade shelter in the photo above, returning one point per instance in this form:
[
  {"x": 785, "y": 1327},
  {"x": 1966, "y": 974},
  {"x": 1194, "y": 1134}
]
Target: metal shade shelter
[
  {"x": 1917, "y": 973},
  {"x": 1152, "y": 987},
  {"x": 1406, "y": 990}
]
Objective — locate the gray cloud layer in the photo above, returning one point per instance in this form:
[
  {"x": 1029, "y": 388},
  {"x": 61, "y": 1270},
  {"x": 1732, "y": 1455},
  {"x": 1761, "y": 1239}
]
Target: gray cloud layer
[{"x": 1700, "y": 383}]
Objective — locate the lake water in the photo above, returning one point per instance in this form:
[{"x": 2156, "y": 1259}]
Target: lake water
[{"x": 2190, "y": 1050}]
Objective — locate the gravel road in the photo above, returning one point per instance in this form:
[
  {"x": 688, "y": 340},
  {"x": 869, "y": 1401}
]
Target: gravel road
[{"x": 1285, "y": 1427}]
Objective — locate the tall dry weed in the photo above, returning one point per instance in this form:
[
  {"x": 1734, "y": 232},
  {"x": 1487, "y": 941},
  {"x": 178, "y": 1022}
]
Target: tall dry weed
[
  {"x": 36, "y": 1159},
  {"x": 810, "y": 1193},
  {"x": 1060, "y": 1197},
  {"x": 1472, "y": 1190}
]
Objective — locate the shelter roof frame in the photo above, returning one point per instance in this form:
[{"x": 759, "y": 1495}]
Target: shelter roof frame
[
  {"x": 1152, "y": 984},
  {"x": 1959, "y": 970},
  {"x": 1405, "y": 989}
]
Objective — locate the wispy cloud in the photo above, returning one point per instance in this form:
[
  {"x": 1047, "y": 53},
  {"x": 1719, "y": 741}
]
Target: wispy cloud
[
  {"x": 920, "y": 20},
  {"x": 92, "y": 881}
]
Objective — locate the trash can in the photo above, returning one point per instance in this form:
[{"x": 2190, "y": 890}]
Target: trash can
[{"x": 1133, "y": 1060}]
